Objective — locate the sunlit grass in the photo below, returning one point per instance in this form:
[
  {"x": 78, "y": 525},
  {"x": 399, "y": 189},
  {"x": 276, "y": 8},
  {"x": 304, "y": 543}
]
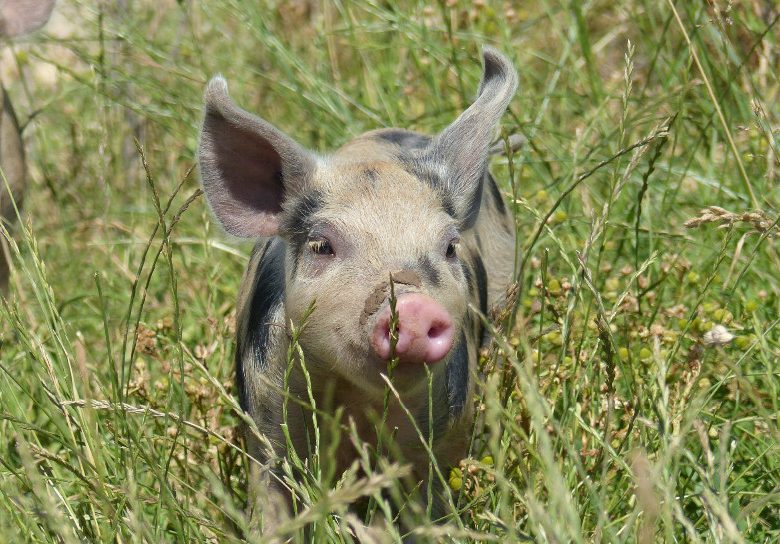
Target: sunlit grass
[{"x": 608, "y": 412}]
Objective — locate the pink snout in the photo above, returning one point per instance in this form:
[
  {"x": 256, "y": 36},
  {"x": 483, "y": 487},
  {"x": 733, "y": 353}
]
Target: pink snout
[{"x": 425, "y": 330}]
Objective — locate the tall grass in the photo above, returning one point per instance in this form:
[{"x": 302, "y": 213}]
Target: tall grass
[{"x": 609, "y": 412}]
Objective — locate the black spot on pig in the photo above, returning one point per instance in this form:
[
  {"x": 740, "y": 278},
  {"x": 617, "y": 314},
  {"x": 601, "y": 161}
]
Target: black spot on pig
[
  {"x": 405, "y": 139},
  {"x": 370, "y": 176},
  {"x": 429, "y": 271},
  {"x": 298, "y": 221},
  {"x": 266, "y": 297},
  {"x": 482, "y": 283},
  {"x": 498, "y": 201},
  {"x": 472, "y": 209},
  {"x": 458, "y": 378}
]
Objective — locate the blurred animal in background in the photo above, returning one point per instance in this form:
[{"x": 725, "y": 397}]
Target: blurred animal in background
[{"x": 17, "y": 18}]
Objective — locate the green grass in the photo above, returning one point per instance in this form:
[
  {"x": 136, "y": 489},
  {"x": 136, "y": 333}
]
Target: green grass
[{"x": 605, "y": 417}]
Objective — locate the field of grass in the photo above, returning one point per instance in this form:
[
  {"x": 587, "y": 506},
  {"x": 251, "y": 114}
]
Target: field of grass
[{"x": 636, "y": 397}]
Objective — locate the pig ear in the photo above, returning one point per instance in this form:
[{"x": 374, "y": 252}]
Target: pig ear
[
  {"x": 19, "y": 17},
  {"x": 247, "y": 165},
  {"x": 463, "y": 147}
]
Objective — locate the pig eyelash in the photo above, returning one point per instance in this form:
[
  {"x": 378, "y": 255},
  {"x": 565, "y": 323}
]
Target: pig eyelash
[
  {"x": 320, "y": 247},
  {"x": 452, "y": 249}
]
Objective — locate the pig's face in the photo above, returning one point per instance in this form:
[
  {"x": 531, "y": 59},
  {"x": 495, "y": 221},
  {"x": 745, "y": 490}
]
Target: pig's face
[
  {"x": 390, "y": 202},
  {"x": 357, "y": 223}
]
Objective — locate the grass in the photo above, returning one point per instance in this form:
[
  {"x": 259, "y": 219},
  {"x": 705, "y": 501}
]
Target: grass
[{"x": 608, "y": 413}]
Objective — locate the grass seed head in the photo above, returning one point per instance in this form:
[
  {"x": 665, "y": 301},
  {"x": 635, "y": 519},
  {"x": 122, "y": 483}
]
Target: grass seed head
[{"x": 718, "y": 335}]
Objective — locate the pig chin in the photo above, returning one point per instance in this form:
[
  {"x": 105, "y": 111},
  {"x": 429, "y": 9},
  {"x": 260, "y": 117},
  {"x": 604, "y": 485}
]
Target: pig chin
[{"x": 366, "y": 372}]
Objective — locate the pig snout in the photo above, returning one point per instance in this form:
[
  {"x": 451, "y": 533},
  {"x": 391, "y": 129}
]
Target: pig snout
[{"x": 425, "y": 330}]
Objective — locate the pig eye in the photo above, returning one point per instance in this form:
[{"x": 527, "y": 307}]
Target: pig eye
[
  {"x": 452, "y": 249},
  {"x": 320, "y": 247}
]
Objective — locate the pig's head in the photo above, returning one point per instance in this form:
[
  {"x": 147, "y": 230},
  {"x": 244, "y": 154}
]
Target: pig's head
[{"x": 391, "y": 203}]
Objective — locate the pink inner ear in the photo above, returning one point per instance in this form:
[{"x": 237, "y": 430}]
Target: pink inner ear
[
  {"x": 247, "y": 165},
  {"x": 242, "y": 175},
  {"x": 251, "y": 169}
]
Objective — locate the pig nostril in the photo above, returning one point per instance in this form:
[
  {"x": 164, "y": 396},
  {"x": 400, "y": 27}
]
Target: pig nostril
[
  {"x": 389, "y": 331},
  {"x": 436, "y": 331}
]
